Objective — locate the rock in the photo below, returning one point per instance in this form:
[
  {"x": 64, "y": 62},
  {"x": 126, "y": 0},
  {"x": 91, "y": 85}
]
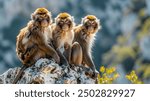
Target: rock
[{"x": 46, "y": 71}]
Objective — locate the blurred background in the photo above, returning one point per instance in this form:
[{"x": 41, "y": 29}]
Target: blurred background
[{"x": 123, "y": 42}]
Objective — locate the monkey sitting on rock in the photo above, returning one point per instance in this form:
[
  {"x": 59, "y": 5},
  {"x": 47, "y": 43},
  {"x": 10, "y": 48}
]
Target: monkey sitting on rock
[
  {"x": 83, "y": 42},
  {"x": 62, "y": 34},
  {"x": 42, "y": 39},
  {"x": 32, "y": 41}
]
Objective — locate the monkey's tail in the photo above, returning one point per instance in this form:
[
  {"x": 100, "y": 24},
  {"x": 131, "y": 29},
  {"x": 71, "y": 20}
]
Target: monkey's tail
[{"x": 23, "y": 67}]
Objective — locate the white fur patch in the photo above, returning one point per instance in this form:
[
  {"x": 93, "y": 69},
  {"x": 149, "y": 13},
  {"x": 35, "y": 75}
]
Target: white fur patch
[
  {"x": 25, "y": 40},
  {"x": 69, "y": 38},
  {"x": 45, "y": 36}
]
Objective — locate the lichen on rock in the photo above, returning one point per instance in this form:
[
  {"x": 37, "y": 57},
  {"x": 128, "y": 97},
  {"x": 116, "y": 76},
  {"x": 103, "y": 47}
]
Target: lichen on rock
[{"x": 46, "y": 71}]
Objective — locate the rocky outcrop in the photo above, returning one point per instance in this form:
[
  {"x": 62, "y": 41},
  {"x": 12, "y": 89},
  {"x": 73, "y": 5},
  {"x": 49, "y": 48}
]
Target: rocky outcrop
[{"x": 46, "y": 71}]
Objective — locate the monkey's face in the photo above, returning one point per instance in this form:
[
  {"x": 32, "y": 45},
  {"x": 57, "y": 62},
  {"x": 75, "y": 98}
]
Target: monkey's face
[
  {"x": 42, "y": 17},
  {"x": 64, "y": 21},
  {"x": 91, "y": 23},
  {"x": 64, "y": 24}
]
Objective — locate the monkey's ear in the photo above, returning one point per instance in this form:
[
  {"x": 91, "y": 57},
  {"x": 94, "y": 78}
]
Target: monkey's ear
[
  {"x": 83, "y": 20},
  {"x": 72, "y": 18},
  {"x": 99, "y": 23},
  {"x": 32, "y": 16},
  {"x": 50, "y": 17},
  {"x": 51, "y": 21},
  {"x": 57, "y": 20}
]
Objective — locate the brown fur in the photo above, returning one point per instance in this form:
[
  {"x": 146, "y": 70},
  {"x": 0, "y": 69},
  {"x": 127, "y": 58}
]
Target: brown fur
[
  {"x": 76, "y": 54},
  {"x": 32, "y": 41},
  {"x": 84, "y": 35},
  {"x": 62, "y": 32}
]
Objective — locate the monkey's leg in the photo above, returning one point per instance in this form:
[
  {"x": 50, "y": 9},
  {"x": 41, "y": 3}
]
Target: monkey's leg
[
  {"x": 76, "y": 54},
  {"x": 67, "y": 51},
  {"x": 50, "y": 51},
  {"x": 26, "y": 59},
  {"x": 63, "y": 60},
  {"x": 88, "y": 61},
  {"x": 19, "y": 74},
  {"x": 27, "y": 56}
]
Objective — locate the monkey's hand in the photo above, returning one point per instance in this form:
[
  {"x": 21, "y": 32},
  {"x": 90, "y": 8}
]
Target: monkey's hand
[
  {"x": 20, "y": 55},
  {"x": 95, "y": 73},
  {"x": 31, "y": 50},
  {"x": 57, "y": 58},
  {"x": 66, "y": 46},
  {"x": 54, "y": 54},
  {"x": 91, "y": 73},
  {"x": 26, "y": 56},
  {"x": 63, "y": 60}
]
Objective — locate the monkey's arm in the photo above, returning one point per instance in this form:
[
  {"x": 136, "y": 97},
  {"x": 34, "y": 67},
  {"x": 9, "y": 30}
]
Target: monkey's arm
[
  {"x": 21, "y": 53},
  {"x": 20, "y": 50},
  {"x": 56, "y": 44},
  {"x": 29, "y": 53},
  {"x": 57, "y": 41},
  {"x": 25, "y": 51},
  {"x": 67, "y": 52},
  {"x": 63, "y": 60},
  {"x": 50, "y": 51},
  {"x": 87, "y": 59},
  {"x": 68, "y": 45}
]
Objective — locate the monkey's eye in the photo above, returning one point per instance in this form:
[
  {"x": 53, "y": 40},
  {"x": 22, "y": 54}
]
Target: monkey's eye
[
  {"x": 93, "y": 23},
  {"x": 19, "y": 50},
  {"x": 41, "y": 13},
  {"x": 68, "y": 21},
  {"x": 61, "y": 22},
  {"x": 38, "y": 19},
  {"x": 87, "y": 23},
  {"x": 47, "y": 19}
]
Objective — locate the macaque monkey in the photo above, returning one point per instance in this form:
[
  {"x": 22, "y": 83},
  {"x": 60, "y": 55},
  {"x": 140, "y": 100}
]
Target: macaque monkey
[
  {"x": 33, "y": 42},
  {"x": 84, "y": 39},
  {"x": 62, "y": 33}
]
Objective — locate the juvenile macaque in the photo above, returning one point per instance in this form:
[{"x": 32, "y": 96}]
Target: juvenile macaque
[
  {"x": 33, "y": 42},
  {"x": 84, "y": 35},
  {"x": 62, "y": 33}
]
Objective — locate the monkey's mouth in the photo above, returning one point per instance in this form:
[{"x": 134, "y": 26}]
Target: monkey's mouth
[
  {"x": 90, "y": 29},
  {"x": 65, "y": 27},
  {"x": 44, "y": 23}
]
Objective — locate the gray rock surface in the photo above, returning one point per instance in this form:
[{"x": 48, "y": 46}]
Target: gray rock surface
[{"x": 46, "y": 71}]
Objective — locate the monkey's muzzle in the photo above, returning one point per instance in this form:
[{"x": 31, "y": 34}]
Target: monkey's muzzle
[{"x": 44, "y": 23}]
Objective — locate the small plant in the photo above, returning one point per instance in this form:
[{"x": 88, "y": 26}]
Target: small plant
[
  {"x": 133, "y": 78},
  {"x": 107, "y": 75}
]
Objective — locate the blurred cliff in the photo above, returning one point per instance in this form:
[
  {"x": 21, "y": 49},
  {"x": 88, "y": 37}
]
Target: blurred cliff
[
  {"x": 132, "y": 48},
  {"x": 123, "y": 42}
]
